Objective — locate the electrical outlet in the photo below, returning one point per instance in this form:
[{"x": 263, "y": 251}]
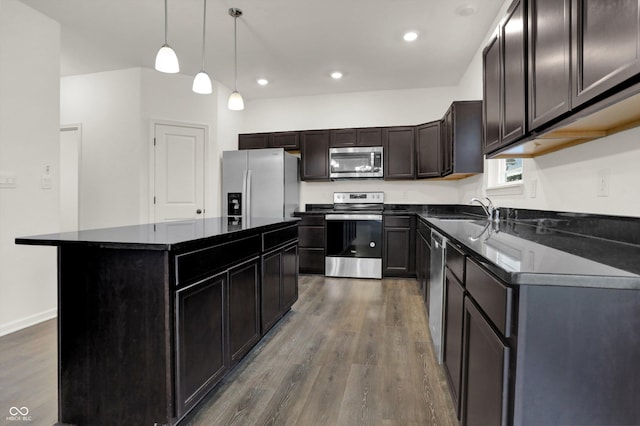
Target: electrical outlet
[
  {"x": 602, "y": 189},
  {"x": 7, "y": 180},
  {"x": 533, "y": 188}
]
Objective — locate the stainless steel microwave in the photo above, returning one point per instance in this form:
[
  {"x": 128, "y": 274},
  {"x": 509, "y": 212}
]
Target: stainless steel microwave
[{"x": 355, "y": 162}]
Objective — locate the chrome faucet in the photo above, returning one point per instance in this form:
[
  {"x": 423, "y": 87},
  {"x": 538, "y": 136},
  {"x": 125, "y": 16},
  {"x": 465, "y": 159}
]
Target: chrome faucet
[{"x": 493, "y": 214}]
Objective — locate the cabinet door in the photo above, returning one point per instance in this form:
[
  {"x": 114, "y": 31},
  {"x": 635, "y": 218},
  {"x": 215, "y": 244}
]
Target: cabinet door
[
  {"x": 447, "y": 142},
  {"x": 370, "y": 136},
  {"x": 289, "y": 277},
  {"x": 314, "y": 146},
  {"x": 201, "y": 339},
  {"x": 453, "y": 325},
  {"x": 312, "y": 260},
  {"x": 244, "y": 309},
  {"x": 271, "y": 277},
  {"x": 549, "y": 58},
  {"x": 399, "y": 152},
  {"x": 606, "y": 46},
  {"x": 485, "y": 371},
  {"x": 398, "y": 257},
  {"x": 492, "y": 75},
  {"x": 288, "y": 140},
  {"x": 428, "y": 150},
  {"x": 253, "y": 141},
  {"x": 343, "y": 137},
  {"x": 513, "y": 46}
]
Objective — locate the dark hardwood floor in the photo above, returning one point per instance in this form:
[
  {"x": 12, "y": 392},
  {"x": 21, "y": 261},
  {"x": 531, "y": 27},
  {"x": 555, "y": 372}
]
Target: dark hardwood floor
[{"x": 351, "y": 352}]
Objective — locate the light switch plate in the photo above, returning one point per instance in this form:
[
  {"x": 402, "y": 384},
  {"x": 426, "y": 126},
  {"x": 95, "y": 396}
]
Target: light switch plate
[
  {"x": 7, "y": 180},
  {"x": 45, "y": 181},
  {"x": 602, "y": 189}
]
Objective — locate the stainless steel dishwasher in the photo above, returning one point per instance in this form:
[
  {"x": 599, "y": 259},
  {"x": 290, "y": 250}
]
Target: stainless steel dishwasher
[{"x": 436, "y": 291}]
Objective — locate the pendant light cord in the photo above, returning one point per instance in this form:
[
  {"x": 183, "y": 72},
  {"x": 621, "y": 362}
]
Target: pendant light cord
[
  {"x": 204, "y": 26},
  {"x": 235, "y": 53},
  {"x": 166, "y": 22}
]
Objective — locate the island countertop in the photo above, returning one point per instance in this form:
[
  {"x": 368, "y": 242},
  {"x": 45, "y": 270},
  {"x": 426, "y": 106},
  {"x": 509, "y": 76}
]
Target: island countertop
[{"x": 168, "y": 235}]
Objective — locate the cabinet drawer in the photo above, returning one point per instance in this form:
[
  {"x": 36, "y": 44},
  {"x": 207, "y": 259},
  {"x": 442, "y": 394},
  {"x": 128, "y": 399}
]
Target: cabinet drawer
[
  {"x": 314, "y": 220},
  {"x": 455, "y": 261},
  {"x": 397, "y": 221},
  {"x": 199, "y": 263},
  {"x": 311, "y": 236},
  {"x": 494, "y": 298},
  {"x": 272, "y": 239}
]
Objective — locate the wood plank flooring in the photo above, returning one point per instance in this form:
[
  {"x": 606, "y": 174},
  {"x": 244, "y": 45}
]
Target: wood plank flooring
[{"x": 351, "y": 352}]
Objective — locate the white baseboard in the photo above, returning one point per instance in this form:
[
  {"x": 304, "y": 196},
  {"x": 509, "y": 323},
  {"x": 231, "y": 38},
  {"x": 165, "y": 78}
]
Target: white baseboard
[{"x": 16, "y": 325}]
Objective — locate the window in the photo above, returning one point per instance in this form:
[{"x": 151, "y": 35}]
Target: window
[{"x": 505, "y": 173}]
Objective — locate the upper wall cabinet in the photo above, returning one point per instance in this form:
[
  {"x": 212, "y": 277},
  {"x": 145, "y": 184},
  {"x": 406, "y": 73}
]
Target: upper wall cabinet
[
  {"x": 583, "y": 63},
  {"x": 428, "y": 147},
  {"x": 549, "y": 60},
  {"x": 253, "y": 140},
  {"x": 290, "y": 141},
  {"x": 367, "y": 136},
  {"x": 462, "y": 140},
  {"x": 314, "y": 147},
  {"x": 505, "y": 81},
  {"x": 399, "y": 152},
  {"x": 606, "y": 46},
  {"x": 514, "y": 82}
]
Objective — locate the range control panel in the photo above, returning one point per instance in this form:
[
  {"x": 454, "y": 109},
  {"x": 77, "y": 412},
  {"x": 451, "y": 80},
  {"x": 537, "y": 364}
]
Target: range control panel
[{"x": 358, "y": 197}]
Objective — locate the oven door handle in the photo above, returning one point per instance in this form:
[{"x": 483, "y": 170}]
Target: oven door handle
[{"x": 372, "y": 217}]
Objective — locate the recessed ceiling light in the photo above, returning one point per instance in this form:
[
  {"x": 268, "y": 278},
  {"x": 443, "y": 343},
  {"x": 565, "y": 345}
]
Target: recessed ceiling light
[
  {"x": 410, "y": 36},
  {"x": 466, "y": 10},
  {"x": 262, "y": 81},
  {"x": 336, "y": 75}
]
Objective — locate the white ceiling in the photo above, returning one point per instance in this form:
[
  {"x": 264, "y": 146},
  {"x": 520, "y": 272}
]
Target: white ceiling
[{"x": 293, "y": 43}]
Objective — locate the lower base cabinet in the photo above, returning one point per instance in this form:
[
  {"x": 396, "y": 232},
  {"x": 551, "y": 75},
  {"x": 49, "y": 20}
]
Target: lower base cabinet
[
  {"x": 485, "y": 371},
  {"x": 244, "y": 308},
  {"x": 279, "y": 284},
  {"x": 398, "y": 255},
  {"x": 202, "y": 355}
]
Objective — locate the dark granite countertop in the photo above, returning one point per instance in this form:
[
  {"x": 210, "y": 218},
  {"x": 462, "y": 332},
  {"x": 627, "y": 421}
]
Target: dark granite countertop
[
  {"x": 535, "y": 253},
  {"x": 161, "y": 236}
]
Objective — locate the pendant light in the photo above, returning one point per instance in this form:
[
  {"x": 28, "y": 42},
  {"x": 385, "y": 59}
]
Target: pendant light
[
  {"x": 166, "y": 59},
  {"x": 202, "y": 82},
  {"x": 236, "y": 102}
]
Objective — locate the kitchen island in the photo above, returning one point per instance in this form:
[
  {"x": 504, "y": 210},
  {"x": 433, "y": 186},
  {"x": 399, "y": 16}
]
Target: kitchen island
[{"x": 151, "y": 317}]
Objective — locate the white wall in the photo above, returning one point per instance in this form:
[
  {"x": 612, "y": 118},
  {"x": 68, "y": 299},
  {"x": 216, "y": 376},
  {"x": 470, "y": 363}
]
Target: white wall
[
  {"x": 383, "y": 108},
  {"x": 29, "y": 141}
]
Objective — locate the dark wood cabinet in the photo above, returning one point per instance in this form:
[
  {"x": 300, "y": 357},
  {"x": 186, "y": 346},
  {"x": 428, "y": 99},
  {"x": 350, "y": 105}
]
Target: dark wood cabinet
[
  {"x": 343, "y": 138},
  {"x": 271, "y": 278},
  {"x": 311, "y": 235},
  {"x": 290, "y": 141},
  {"x": 244, "y": 308},
  {"x": 253, "y": 140},
  {"x": 549, "y": 58},
  {"x": 514, "y": 82},
  {"x": 314, "y": 147},
  {"x": 202, "y": 352},
  {"x": 428, "y": 145},
  {"x": 398, "y": 258},
  {"x": 423, "y": 260},
  {"x": 606, "y": 46},
  {"x": 485, "y": 371},
  {"x": 279, "y": 284},
  {"x": 369, "y": 136},
  {"x": 461, "y": 134},
  {"x": 492, "y": 77},
  {"x": 453, "y": 320},
  {"x": 399, "y": 152}
]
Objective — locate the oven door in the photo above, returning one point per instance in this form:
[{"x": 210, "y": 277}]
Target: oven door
[{"x": 354, "y": 245}]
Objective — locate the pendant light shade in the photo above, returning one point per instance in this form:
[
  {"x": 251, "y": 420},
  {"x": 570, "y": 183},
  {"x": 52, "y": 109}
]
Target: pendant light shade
[
  {"x": 236, "y": 103},
  {"x": 166, "y": 59},
  {"x": 202, "y": 82}
]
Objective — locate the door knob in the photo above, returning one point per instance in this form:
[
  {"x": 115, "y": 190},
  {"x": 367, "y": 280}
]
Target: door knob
[{"x": 198, "y": 211}]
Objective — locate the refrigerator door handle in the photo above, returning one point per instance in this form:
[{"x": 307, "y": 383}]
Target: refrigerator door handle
[
  {"x": 248, "y": 194},
  {"x": 243, "y": 211}
]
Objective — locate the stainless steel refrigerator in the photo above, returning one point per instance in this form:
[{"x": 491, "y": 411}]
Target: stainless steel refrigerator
[{"x": 260, "y": 183}]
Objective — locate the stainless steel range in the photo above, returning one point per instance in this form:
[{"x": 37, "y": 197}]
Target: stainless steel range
[{"x": 354, "y": 235}]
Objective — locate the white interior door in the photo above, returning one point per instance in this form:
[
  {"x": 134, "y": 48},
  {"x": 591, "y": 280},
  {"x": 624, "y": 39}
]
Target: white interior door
[
  {"x": 70, "y": 157},
  {"x": 179, "y": 172}
]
